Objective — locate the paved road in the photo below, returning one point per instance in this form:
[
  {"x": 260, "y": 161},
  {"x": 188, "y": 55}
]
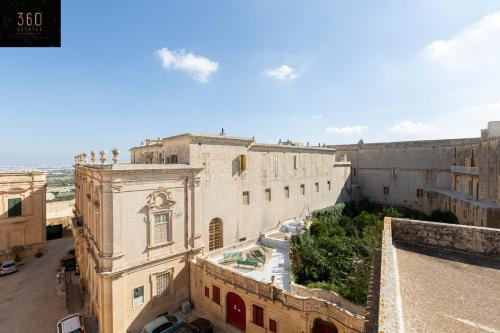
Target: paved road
[{"x": 30, "y": 300}]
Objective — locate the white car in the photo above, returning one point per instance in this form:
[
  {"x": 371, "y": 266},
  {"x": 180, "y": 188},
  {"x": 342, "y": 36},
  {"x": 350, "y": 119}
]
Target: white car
[
  {"x": 71, "y": 324},
  {"x": 8, "y": 266}
]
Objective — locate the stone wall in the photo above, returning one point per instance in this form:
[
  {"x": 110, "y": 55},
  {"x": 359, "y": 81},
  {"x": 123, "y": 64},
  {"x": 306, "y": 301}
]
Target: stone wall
[
  {"x": 299, "y": 290},
  {"x": 476, "y": 240}
]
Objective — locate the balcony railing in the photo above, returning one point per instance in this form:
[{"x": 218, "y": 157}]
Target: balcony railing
[{"x": 465, "y": 169}]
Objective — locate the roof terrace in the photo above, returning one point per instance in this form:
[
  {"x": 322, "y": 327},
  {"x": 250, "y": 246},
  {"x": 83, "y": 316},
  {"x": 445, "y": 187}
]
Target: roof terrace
[
  {"x": 265, "y": 259},
  {"x": 439, "y": 277}
]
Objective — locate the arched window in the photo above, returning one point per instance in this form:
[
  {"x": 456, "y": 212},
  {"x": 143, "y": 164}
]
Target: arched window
[{"x": 215, "y": 234}]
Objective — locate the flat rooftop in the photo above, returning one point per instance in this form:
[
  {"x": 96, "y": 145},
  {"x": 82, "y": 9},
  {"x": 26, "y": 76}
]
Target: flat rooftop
[
  {"x": 442, "y": 291},
  {"x": 144, "y": 167},
  {"x": 438, "y": 277},
  {"x": 264, "y": 258},
  {"x": 276, "y": 264}
]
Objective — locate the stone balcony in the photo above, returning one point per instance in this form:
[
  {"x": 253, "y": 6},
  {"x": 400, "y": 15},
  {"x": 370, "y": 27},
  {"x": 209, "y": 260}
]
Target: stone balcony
[{"x": 464, "y": 169}]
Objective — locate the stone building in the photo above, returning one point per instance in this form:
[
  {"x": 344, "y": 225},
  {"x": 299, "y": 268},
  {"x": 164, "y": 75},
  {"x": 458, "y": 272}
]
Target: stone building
[
  {"x": 458, "y": 175},
  {"x": 248, "y": 285},
  {"x": 138, "y": 225},
  {"x": 22, "y": 213}
]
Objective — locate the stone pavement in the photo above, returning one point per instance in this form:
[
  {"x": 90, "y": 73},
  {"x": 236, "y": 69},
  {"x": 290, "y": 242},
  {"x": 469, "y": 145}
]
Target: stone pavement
[
  {"x": 219, "y": 326},
  {"x": 31, "y": 299}
]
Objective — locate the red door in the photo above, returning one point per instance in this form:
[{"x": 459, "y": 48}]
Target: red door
[{"x": 236, "y": 314}]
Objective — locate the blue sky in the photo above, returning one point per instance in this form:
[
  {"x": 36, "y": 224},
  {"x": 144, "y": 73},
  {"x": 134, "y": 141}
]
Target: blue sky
[{"x": 317, "y": 71}]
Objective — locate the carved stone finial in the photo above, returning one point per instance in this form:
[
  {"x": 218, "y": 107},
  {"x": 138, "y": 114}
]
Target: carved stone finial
[
  {"x": 116, "y": 155},
  {"x": 84, "y": 158},
  {"x": 77, "y": 161},
  {"x": 103, "y": 156},
  {"x": 93, "y": 158},
  {"x": 360, "y": 142}
]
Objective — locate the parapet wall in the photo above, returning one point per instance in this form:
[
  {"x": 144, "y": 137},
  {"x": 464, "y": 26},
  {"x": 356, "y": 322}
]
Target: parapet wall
[
  {"x": 330, "y": 296},
  {"x": 475, "y": 240},
  {"x": 306, "y": 304}
]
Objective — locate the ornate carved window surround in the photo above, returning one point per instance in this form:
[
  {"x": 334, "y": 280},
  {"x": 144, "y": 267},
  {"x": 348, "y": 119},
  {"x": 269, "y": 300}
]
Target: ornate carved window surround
[{"x": 159, "y": 218}]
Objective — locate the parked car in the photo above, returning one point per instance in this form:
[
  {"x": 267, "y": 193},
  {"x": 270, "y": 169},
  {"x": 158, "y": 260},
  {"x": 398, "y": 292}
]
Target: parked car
[
  {"x": 69, "y": 263},
  {"x": 8, "y": 266},
  {"x": 163, "y": 324},
  {"x": 71, "y": 324},
  {"x": 200, "y": 325}
]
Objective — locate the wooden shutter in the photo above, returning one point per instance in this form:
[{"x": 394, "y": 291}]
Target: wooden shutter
[
  {"x": 272, "y": 325},
  {"x": 216, "y": 294}
]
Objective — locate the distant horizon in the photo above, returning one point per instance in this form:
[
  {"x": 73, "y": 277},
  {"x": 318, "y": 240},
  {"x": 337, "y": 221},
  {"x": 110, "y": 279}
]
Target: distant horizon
[{"x": 327, "y": 71}]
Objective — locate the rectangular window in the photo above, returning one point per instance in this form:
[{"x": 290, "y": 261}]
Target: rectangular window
[
  {"x": 394, "y": 172},
  {"x": 420, "y": 193},
  {"x": 429, "y": 175},
  {"x": 354, "y": 172},
  {"x": 302, "y": 189},
  {"x": 386, "y": 191},
  {"x": 287, "y": 191},
  {"x": 243, "y": 162},
  {"x": 258, "y": 315},
  {"x": 173, "y": 159},
  {"x": 162, "y": 285},
  {"x": 161, "y": 228},
  {"x": 216, "y": 294},
  {"x": 15, "y": 207},
  {"x": 295, "y": 162},
  {"x": 246, "y": 198},
  {"x": 138, "y": 297},
  {"x": 207, "y": 292},
  {"x": 329, "y": 183},
  {"x": 272, "y": 326},
  {"x": 316, "y": 185},
  {"x": 268, "y": 194}
]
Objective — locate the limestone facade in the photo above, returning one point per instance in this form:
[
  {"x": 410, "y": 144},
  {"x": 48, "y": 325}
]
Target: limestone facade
[
  {"x": 290, "y": 313},
  {"x": 22, "y": 213},
  {"x": 138, "y": 225},
  {"x": 458, "y": 175}
]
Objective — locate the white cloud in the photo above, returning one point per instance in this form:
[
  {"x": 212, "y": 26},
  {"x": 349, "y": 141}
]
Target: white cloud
[
  {"x": 356, "y": 129},
  {"x": 283, "y": 72},
  {"x": 475, "y": 47},
  {"x": 410, "y": 127},
  {"x": 199, "y": 67}
]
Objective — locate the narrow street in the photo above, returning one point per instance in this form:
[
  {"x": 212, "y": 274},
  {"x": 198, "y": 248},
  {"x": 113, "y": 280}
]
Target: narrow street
[{"x": 31, "y": 299}]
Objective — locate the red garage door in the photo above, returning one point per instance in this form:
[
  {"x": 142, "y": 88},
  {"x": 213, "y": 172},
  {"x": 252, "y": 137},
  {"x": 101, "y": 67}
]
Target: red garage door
[{"x": 236, "y": 314}]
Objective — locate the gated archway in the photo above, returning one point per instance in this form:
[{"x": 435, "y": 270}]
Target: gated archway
[
  {"x": 235, "y": 308},
  {"x": 321, "y": 326}
]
